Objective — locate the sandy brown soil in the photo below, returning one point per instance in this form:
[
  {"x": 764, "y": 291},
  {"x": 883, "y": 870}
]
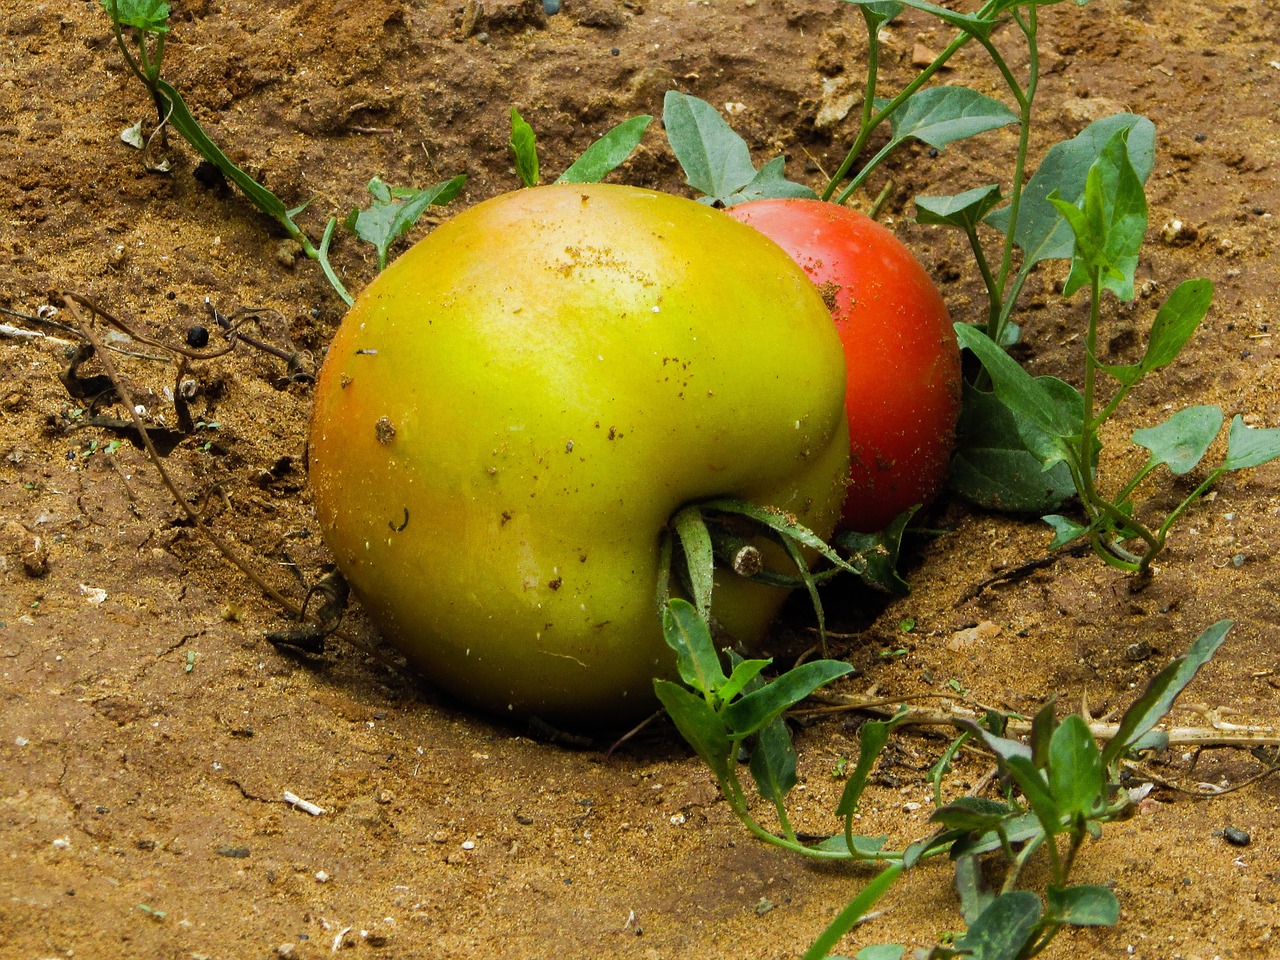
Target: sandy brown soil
[{"x": 148, "y": 732}]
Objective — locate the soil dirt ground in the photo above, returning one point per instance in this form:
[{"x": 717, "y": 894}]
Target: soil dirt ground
[{"x": 149, "y": 732}]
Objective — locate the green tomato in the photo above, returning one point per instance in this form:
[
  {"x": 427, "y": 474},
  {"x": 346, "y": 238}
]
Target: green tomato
[{"x": 512, "y": 412}]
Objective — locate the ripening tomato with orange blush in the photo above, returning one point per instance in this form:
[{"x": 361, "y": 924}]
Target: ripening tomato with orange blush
[{"x": 903, "y": 393}]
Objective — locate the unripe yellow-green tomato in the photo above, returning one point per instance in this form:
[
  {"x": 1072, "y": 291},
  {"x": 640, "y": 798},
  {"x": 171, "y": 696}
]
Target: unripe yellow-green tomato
[{"x": 511, "y": 413}]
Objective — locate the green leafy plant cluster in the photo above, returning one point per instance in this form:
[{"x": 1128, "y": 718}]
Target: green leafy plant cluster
[
  {"x": 1027, "y": 444},
  {"x": 1055, "y": 791}
]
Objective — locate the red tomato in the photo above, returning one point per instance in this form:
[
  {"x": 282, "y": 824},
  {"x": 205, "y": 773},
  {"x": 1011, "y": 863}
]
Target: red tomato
[{"x": 904, "y": 366}]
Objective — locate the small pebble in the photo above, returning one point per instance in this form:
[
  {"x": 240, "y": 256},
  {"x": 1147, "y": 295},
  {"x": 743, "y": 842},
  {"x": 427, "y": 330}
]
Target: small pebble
[
  {"x": 197, "y": 337},
  {"x": 1236, "y": 837},
  {"x": 1178, "y": 234},
  {"x": 287, "y": 253},
  {"x": 1138, "y": 651}
]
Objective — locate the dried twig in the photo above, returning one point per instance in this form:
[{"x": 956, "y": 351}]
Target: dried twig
[
  {"x": 1218, "y": 734},
  {"x": 197, "y": 519}
]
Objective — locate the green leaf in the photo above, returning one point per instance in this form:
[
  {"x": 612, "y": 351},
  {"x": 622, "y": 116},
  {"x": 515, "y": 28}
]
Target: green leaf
[
  {"x": 1250, "y": 446},
  {"x": 1036, "y": 791},
  {"x": 1041, "y": 232},
  {"x": 881, "y": 951},
  {"x": 395, "y": 210},
  {"x": 699, "y": 555},
  {"x": 773, "y": 761},
  {"x": 963, "y": 210},
  {"x": 1004, "y": 928},
  {"x": 742, "y": 675},
  {"x": 1156, "y": 701},
  {"x": 1174, "y": 324},
  {"x": 877, "y": 12},
  {"x": 748, "y": 714},
  {"x": 180, "y": 119},
  {"x": 1109, "y": 236},
  {"x": 525, "y": 147},
  {"x": 1065, "y": 530},
  {"x": 1053, "y": 407},
  {"x": 1181, "y": 441},
  {"x": 699, "y": 724},
  {"x": 715, "y": 160},
  {"x": 1083, "y": 905},
  {"x": 864, "y": 848},
  {"x": 1018, "y": 830},
  {"x": 1002, "y": 747},
  {"x": 993, "y": 466},
  {"x": 696, "y": 658},
  {"x": 874, "y": 556},
  {"x": 971, "y": 814},
  {"x": 769, "y": 182},
  {"x": 872, "y": 738},
  {"x": 942, "y": 115},
  {"x": 781, "y": 523},
  {"x": 971, "y": 887},
  {"x": 972, "y": 24},
  {"x": 1075, "y": 767},
  {"x": 1042, "y": 726},
  {"x": 607, "y": 153},
  {"x": 149, "y": 16}
]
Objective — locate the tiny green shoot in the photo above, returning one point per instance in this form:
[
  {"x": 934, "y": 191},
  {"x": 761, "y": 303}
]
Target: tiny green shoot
[{"x": 600, "y": 159}]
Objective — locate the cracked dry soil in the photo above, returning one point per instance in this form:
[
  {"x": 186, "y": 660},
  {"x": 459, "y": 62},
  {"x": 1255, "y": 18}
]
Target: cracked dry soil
[{"x": 148, "y": 733}]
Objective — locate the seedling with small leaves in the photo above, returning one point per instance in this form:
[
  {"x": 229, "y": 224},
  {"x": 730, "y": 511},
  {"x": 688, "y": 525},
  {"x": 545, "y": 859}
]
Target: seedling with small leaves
[
  {"x": 1057, "y": 789},
  {"x": 140, "y": 28},
  {"x": 1060, "y": 425}
]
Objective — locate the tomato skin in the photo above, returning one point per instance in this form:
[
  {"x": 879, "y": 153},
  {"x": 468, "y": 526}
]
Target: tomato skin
[
  {"x": 903, "y": 394},
  {"x": 510, "y": 414}
]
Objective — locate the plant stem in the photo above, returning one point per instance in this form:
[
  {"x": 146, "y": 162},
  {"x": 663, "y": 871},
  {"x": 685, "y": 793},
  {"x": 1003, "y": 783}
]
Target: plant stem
[
  {"x": 993, "y": 289},
  {"x": 873, "y": 70},
  {"x": 869, "y": 126},
  {"x": 1089, "y": 426},
  {"x": 785, "y": 822},
  {"x": 1097, "y": 505},
  {"x": 1049, "y": 931},
  {"x": 1191, "y": 498},
  {"x": 1026, "y": 100},
  {"x": 1020, "y": 861},
  {"x": 849, "y": 917},
  {"x": 321, "y": 257}
]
